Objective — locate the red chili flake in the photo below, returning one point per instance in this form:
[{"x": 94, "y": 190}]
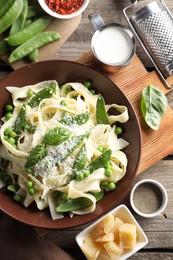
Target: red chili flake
[{"x": 64, "y": 6}]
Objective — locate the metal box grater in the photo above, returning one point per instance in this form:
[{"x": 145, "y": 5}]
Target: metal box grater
[{"x": 153, "y": 26}]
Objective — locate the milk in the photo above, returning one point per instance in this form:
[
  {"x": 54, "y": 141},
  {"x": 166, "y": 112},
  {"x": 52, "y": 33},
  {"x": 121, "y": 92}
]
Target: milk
[{"x": 112, "y": 46}]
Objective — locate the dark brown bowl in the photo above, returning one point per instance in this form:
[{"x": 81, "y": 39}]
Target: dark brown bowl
[{"x": 68, "y": 71}]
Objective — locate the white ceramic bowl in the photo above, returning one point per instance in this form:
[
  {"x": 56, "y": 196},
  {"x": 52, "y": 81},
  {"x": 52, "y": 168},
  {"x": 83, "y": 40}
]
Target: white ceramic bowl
[
  {"x": 60, "y": 16},
  {"x": 126, "y": 216},
  {"x": 163, "y": 193}
]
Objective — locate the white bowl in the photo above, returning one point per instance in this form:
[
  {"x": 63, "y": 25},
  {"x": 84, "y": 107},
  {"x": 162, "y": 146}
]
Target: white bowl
[
  {"x": 162, "y": 192},
  {"x": 60, "y": 16},
  {"x": 126, "y": 216}
]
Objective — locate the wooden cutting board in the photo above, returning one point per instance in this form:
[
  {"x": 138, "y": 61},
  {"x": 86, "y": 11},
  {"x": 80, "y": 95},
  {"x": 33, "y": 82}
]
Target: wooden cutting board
[{"x": 132, "y": 79}]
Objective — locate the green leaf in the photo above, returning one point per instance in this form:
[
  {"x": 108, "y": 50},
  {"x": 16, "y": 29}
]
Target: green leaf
[
  {"x": 153, "y": 106},
  {"x": 56, "y": 136},
  {"x": 36, "y": 155}
]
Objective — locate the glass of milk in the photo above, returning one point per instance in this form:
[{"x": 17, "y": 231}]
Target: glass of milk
[{"x": 112, "y": 45}]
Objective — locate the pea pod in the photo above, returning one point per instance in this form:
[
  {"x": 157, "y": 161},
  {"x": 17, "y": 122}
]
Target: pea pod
[
  {"x": 28, "y": 21},
  {"x": 11, "y": 15},
  {"x": 36, "y": 42},
  {"x": 42, "y": 94},
  {"x": 56, "y": 136},
  {"x": 101, "y": 114},
  {"x": 3, "y": 2},
  {"x": 79, "y": 119},
  {"x": 80, "y": 160},
  {"x": 36, "y": 155},
  {"x": 67, "y": 148},
  {"x": 34, "y": 10},
  {"x": 29, "y": 32},
  {"x": 100, "y": 161},
  {"x": 19, "y": 23},
  {"x": 33, "y": 56},
  {"x": 20, "y": 121},
  {"x": 78, "y": 203},
  {"x": 74, "y": 204},
  {"x": 4, "y": 6},
  {"x": 4, "y": 47},
  {"x": 98, "y": 195}
]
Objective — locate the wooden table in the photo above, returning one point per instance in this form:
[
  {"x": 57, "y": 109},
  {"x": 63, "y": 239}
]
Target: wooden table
[{"x": 159, "y": 230}]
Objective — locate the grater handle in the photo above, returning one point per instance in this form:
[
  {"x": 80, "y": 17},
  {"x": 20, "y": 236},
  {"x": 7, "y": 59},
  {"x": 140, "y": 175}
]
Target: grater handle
[{"x": 134, "y": 2}]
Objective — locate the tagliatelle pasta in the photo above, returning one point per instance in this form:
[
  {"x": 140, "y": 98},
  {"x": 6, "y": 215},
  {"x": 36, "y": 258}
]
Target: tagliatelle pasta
[{"x": 54, "y": 150}]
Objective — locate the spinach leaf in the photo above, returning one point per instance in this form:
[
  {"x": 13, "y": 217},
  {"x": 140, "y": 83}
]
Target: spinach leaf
[{"x": 153, "y": 106}]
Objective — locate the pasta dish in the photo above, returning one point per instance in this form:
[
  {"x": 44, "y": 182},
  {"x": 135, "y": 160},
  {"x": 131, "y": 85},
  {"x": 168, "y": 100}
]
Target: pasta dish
[{"x": 60, "y": 147}]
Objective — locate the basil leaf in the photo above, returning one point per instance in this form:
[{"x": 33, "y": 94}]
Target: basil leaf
[
  {"x": 56, "y": 136},
  {"x": 153, "y": 106},
  {"x": 36, "y": 155}
]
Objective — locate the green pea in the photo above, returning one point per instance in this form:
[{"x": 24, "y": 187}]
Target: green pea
[
  {"x": 80, "y": 176},
  {"x": 8, "y": 116},
  {"x": 100, "y": 148},
  {"x": 9, "y": 108},
  {"x": 104, "y": 183},
  {"x": 13, "y": 134},
  {"x": 28, "y": 170},
  {"x": 11, "y": 15},
  {"x": 30, "y": 93},
  {"x": 108, "y": 172},
  {"x": 8, "y": 130},
  {"x": 31, "y": 191},
  {"x": 118, "y": 130},
  {"x": 14, "y": 145},
  {"x": 86, "y": 173},
  {"x": 11, "y": 140},
  {"x": 92, "y": 91},
  {"x": 29, "y": 184},
  {"x": 108, "y": 166},
  {"x": 64, "y": 102},
  {"x": 37, "y": 41},
  {"x": 111, "y": 186},
  {"x": 6, "y": 137},
  {"x": 17, "y": 198},
  {"x": 29, "y": 32},
  {"x": 87, "y": 83},
  {"x": 65, "y": 196}
]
